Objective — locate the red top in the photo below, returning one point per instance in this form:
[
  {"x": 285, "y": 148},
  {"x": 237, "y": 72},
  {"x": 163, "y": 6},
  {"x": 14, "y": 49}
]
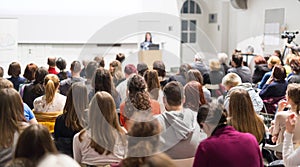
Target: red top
[
  {"x": 52, "y": 70},
  {"x": 154, "y": 106}
]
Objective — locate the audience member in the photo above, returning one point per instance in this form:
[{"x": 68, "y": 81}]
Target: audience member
[
  {"x": 67, "y": 83},
  {"x": 12, "y": 122},
  {"x": 180, "y": 133},
  {"x": 122, "y": 87},
  {"x": 35, "y": 89},
  {"x": 14, "y": 71},
  {"x": 29, "y": 75},
  {"x": 102, "y": 81},
  {"x": 120, "y": 57},
  {"x": 100, "y": 61},
  {"x": 138, "y": 100},
  {"x": 72, "y": 120},
  {"x": 52, "y": 101},
  {"x": 260, "y": 68},
  {"x": 103, "y": 142},
  {"x": 159, "y": 66},
  {"x": 287, "y": 66},
  {"x": 115, "y": 69},
  {"x": 34, "y": 143},
  {"x": 194, "y": 96},
  {"x": 225, "y": 146},
  {"x": 232, "y": 81},
  {"x": 62, "y": 65},
  {"x": 279, "y": 55},
  {"x": 181, "y": 75},
  {"x": 82, "y": 72},
  {"x": 142, "y": 68},
  {"x": 223, "y": 59},
  {"x": 242, "y": 115},
  {"x": 90, "y": 71},
  {"x": 272, "y": 61},
  {"x": 52, "y": 64},
  {"x": 201, "y": 66},
  {"x": 276, "y": 85},
  {"x": 216, "y": 73},
  {"x": 238, "y": 68},
  {"x": 295, "y": 66}
]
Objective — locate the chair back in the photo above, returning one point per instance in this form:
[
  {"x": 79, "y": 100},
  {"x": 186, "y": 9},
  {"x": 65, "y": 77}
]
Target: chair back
[{"x": 47, "y": 119}]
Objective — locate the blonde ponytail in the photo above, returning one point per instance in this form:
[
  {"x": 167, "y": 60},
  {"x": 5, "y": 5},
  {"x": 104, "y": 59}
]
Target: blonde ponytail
[{"x": 51, "y": 84}]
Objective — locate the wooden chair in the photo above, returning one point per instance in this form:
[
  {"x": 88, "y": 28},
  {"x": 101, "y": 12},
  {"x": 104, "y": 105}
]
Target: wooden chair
[
  {"x": 47, "y": 119},
  {"x": 187, "y": 162}
]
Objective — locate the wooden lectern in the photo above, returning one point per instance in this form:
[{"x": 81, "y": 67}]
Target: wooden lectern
[{"x": 149, "y": 56}]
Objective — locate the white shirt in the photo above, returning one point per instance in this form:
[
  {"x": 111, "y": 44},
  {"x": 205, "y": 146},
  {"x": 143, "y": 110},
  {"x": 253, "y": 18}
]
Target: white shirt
[
  {"x": 40, "y": 104},
  {"x": 290, "y": 157}
]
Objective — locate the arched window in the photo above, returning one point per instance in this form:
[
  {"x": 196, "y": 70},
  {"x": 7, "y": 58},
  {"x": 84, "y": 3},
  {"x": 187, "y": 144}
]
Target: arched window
[{"x": 190, "y": 7}]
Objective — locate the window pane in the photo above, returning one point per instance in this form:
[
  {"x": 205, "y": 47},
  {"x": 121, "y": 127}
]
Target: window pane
[
  {"x": 192, "y": 7},
  {"x": 193, "y": 25},
  {"x": 198, "y": 9},
  {"x": 184, "y": 37},
  {"x": 192, "y": 37},
  {"x": 185, "y": 7},
  {"x": 184, "y": 25}
]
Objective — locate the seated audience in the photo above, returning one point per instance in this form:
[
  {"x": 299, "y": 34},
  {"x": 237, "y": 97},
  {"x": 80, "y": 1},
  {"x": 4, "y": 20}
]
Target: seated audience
[
  {"x": 14, "y": 71},
  {"x": 181, "y": 75},
  {"x": 12, "y": 122},
  {"x": 122, "y": 87},
  {"x": 295, "y": 75},
  {"x": 194, "y": 96},
  {"x": 52, "y": 101},
  {"x": 100, "y": 61},
  {"x": 82, "y": 72},
  {"x": 142, "y": 68},
  {"x": 103, "y": 142},
  {"x": 52, "y": 64},
  {"x": 199, "y": 65},
  {"x": 62, "y": 65},
  {"x": 159, "y": 66},
  {"x": 34, "y": 143},
  {"x": 29, "y": 75},
  {"x": 216, "y": 74},
  {"x": 287, "y": 66},
  {"x": 223, "y": 59},
  {"x": 272, "y": 61},
  {"x": 276, "y": 85},
  {"x": 89, "y": 74},
  {"x": 180, "y": 133},
  {"x": 225, "y": 146},
  {"x": 115, "y": 69},
  {"x": 260, "y": 68},
  {"x": 72, "y": 120},
  {"x": 237, "y": 67}
]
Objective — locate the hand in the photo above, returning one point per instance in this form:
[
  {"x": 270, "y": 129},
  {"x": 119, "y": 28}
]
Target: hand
[
  {"x": 270, "y": 80},
  {"x": 290, "y": 123},
  {"x": 274, "y": 139},
  {"x": 281, "y": 105}
]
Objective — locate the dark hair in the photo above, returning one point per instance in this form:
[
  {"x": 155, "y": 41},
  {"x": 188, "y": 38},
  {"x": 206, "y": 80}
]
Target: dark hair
[
  {"x": 130, "y": 69},
  {"x": 237, "y": 59},
  {"x": 90, "y": 69},
  {"x": 279, "y": 73},
  {"x": 29, "y": 72},
  {"x": 102, "y": 81},
  {"x": 159, "y": 66},
  {"x": 173, "y": 92},
  {"x": 40, "y": 75},
  {"x": 1, "y": 72},
  {"x": 61, "y": 64},
  {"x": 120, "y": 57},
  {"x": 295, "y": 64},
  {"x": 100, "y": 61},
  {"x": 153, "y": 85},
  {"x": 183, "y": 69},
  {"x": 142, "y": 68},
  {"x": 259, "y": 60},
  {"x": 212, "y": 113},
  {"x": 14, "y": 69},
  {"x": 34, "y": 142},
  {"x": 278, "y": 53},
  {"x": 75, "y": 66},
  {"x": 194, "y": 96},
  {"x": 51, "y": 61},
  {"x": 146, "y": 37}
]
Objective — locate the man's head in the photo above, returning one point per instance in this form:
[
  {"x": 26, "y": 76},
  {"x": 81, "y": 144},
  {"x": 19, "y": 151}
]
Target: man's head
[
  {"x": 231, "y": 80},
  {"x": 51, "y": 61},
  {"x": 129, "y": 69},
  {"x": 236, "y": 60},
  {"x": 173, "y": 95},
  {"x": 75, "y": 67},
  {"x": 198, "y": 57},
  {"x": 159, "y": 66}
]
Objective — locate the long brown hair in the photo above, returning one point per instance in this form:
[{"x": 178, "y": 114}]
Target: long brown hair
[
  {"x": 293, "y": 93},
  {"x": 194, "y": 96},
  {"x": 153, "y": 85},
  {"x": 51, "y": 85},
  {"x": 76, "y": 103},
  {"x": 103, "y": 123},
  {"x": 102, "y": 81},
  {"x": 242, "y": 115},
  {"x": 11, "y": 114},
  {"x": 34, "y": 142}
]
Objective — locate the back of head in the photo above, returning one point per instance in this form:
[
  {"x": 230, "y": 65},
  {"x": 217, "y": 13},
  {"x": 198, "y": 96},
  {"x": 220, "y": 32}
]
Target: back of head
[
  {"x": 34, "y": 142},
  {"x": 289, "y": 58},
  {"x": 1, "y": 72},
  {"x": 214, "y": 65},
  {"x": 223, "y": 58},
  {"x": 295, "y": 64},
  {"x": 237, "y": 59},
  {"x": 173, "y": 93},
  {"x": 279, "y": 73},
  {"x": 14, "y": 69},
  {"x": 120, "y": 57},
  {"x": 199, "y": 57},
  {"x": 151, "y": 78},
  {"x": 194, "y": 96},
  {"x": 29, "y": 72},
  {"x": 75, "y": 66},
  {"x": 102, "y": 81},
  {"x": 259, "y": 60},
  {"x": 51, "y": 83},
  {"x": 183, "y": 69},
  {"x": 61, "y": 64},
  {"x": 4, "y": 83},
  {"x": 130, "y": 69},
  {"x": 40, "y": 75},
  {"x": 274, "y": 60},
  {"x": 194, "y": 75},
  {"x": 142, "y": 68},
  {"x": 100, "y": 61},
  {"x": 159, "y": 66},
  {"x": 57, "y": 160},
  {"x": 293, "y": 93},
  {"x": 90, "y": 69},
  {"x": 212, "y": 114},
  {"x": 11, "y": 113},
  {"x": 51, "y": 61},
  {"x": 231, "y": 80}
]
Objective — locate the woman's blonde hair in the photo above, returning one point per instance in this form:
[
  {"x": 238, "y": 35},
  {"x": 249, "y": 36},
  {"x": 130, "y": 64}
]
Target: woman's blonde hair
[
  {"x": 242, "y": 115},
  {"x": 231, "y": 80},
  {"x": 51, "y": 85},
  {"x": 274, "y": 60}
]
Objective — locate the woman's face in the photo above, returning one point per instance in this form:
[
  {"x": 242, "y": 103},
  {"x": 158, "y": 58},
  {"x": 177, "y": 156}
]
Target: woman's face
[
  {"x": 148, "y": 37},
  {"x": 111, "y": 68}
]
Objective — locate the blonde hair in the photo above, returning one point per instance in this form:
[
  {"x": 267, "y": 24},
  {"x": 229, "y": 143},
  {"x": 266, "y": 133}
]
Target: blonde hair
[
  {"x": 51, "y": 85},
  {"x": 214, "y": 65},
  {"x": 274, "y": 60},
  {"x": 289, "y": 57},
  {"x": 242, "y": 115},
  {"x": 231, "y": 80}
]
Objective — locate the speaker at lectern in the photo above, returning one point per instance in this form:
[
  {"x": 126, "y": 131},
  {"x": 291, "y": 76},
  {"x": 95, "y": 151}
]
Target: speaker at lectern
[{"x": 149, "y": 56}]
